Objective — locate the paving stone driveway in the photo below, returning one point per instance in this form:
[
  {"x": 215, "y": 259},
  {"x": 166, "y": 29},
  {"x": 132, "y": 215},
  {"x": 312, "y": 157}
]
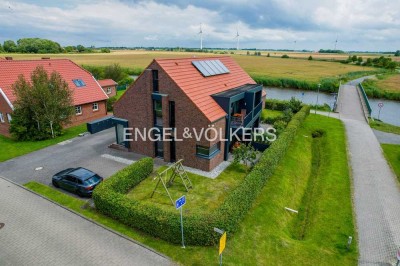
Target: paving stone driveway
[{"x": 38, "y": 232}]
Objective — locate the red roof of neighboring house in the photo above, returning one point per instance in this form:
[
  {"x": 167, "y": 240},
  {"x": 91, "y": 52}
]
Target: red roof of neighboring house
[
  {"x": 11, "y": 69},
  {"x": 107, "y": 82},
  {"x": 199, "y": 88}
]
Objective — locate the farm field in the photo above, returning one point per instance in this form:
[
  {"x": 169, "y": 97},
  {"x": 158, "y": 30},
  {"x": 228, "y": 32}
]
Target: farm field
[
  {"x": 390, "y": 83},
  {"x": 254, "y": 65}
]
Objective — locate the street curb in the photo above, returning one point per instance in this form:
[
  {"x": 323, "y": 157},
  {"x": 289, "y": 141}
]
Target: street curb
[{"x": 90, "y": 220}]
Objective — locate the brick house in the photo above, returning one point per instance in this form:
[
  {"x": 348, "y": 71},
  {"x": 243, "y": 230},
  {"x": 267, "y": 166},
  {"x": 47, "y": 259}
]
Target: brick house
[
  {"x": 194, "y": 93},
  {"x": 88, "y": 97},
  {"x": 109, "y": 86}
]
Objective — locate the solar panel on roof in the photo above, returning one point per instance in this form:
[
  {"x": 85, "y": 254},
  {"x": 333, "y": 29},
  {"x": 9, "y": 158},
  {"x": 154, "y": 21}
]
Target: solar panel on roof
[
  {"x": 201, "y": 68},
  {"x": 210, "y": 67}
]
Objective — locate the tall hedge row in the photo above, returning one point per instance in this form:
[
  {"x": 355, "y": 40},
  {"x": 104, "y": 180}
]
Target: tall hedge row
[{"x": 111, "y": 200}]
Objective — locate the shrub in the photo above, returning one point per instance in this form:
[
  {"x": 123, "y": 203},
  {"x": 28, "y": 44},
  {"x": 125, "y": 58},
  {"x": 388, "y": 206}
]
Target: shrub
[
  {"x": 110, "y": 103},
  {"x": 109, "y": 197},
  {"x": 285, "y": 56}
]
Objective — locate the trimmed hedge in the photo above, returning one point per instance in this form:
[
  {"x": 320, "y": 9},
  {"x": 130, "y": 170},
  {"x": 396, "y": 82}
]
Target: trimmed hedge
[{"x": 110, "y": 197}]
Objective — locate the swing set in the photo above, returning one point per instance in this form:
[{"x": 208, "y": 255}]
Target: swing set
[{"x": 168, "y": 176}]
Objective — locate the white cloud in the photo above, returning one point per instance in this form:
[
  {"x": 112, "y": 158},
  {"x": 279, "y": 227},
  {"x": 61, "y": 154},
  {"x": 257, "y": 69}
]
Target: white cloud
[{"x": 262, "y": 24}]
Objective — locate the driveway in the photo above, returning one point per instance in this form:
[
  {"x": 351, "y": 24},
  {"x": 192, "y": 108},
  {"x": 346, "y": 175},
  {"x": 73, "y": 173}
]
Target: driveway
[
  {"x": 90, "y": 151},
  {"x": 39, "y": 232}
]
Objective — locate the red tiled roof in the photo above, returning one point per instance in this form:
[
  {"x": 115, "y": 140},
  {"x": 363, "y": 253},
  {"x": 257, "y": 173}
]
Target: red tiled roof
[
  {"x": 107, "y": 82},
  {"x": 199, "y": 88},
  {"x": 11, "y": 69}
]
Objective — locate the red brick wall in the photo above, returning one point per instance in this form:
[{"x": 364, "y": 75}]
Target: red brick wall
[
  {"x": 113, "y": 90},
  {"x": 136, "y": 106},
  {"x": 88, "y": 114},
  {"x": 4, "y": 109}
]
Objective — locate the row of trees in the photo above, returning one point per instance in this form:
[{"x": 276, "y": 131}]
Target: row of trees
[
  {"x": 44, "y": 46},
  {"x": 383, "y": 62}
]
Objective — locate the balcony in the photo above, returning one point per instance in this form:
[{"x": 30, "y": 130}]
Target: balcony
[{"x": 239, "y": 120}]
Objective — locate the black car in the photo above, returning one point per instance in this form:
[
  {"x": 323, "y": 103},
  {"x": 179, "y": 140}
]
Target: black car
[{"x": 77, "y": 180}]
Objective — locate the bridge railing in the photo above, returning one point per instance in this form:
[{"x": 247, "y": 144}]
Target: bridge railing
[{"x": 364, "y": 95}]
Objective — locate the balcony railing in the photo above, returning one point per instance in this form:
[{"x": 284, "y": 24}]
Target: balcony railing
[
  {"x": 239, "y": 121},
  {"x": 257, "y": 109}
]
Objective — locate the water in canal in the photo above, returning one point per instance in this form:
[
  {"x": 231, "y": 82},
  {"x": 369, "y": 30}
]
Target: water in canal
[
  {"x": 390, "y": 112},
  {"x": 308, "y": 97}
]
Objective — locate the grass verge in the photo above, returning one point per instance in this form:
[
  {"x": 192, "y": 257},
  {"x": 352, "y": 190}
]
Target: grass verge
[
  {"x": 392, "y": 154},
  {"x": 265, "y": 236},
  {"x": 12, "y": 148},
  {"x": 378, "y": 125}
]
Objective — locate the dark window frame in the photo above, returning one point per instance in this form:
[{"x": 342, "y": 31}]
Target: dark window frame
[
  {"x": 155, "y": 80},
  {"x": 208, "y": 152},
  {"x": 157, "y": 111}
]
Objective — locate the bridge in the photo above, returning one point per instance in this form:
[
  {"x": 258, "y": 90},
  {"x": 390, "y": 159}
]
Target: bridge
[{"x": 376, "y": 191}]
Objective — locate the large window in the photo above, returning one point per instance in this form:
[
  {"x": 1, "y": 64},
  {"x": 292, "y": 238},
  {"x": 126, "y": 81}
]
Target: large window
[
  {"x": 157, "y": 112},
  {"x": 155, "y": 80},
  {"x": 78, "y": 110},
  {"x": 208, "y": 152},
  {"x": 172, "y": 114},
  {"x": 1, "y": 118},
  {"x": 79, "y": 83}
]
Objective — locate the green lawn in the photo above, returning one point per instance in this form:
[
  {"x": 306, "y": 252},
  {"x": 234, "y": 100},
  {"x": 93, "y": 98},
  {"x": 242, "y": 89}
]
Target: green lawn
[
  {"x": 206, "y": 194},
  {"x": 392, "y": 154},
  {"x": 11, "y": 148},
  {"x": 313, "y": 178},
  {"x": 120, "y": 93},
  {"x": 378, "y": 125},
  {"x": 267, "y": 113}
]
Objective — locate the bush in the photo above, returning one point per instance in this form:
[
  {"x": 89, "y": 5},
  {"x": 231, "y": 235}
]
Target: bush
[
  {"x": 109, "y": 197},
  {"x": 110, "y": 103},
  {"x": 285, "y": 56}
]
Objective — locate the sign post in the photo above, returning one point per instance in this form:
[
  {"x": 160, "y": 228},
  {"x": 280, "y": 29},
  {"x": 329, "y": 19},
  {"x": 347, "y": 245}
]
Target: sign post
[
  {"x": 380, "y": 105},
  {"x": 178, "y": 205},
  {"x": 222, "y": 243}
]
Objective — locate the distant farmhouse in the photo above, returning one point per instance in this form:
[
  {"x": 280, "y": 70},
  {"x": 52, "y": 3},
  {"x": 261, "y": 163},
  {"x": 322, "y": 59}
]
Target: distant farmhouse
[
  {"x": 109, "y": 86},
  {"x": 89, "y": 98},
  {"x": 189, "y": 93}
]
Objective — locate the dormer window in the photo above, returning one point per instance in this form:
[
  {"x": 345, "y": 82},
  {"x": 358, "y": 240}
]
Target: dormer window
[{"x": 79, "y": 83}]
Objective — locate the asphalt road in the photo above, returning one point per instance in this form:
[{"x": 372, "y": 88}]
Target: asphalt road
[
  {"x": 90, "y": 151},
  {"x": 39, "y": 232}
]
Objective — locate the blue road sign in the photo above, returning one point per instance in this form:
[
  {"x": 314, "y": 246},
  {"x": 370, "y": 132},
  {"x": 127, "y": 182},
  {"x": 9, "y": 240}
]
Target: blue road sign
[{"x": 180, "y": 202}]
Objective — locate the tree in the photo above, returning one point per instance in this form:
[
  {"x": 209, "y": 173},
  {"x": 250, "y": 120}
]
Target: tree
[
  {"x": 42, "y": 107},
  {"x": 391, "y": 65},
  {"x": 245, "y": 153},
  {"x": 80, "y": 48},
  {"x": 114, "y": 72},
  {"x": 37, "y": 45},
  {"x": 354, "y": 58},
  {"x": 359, "y": 59},
  {"x": 397, "y": 53},
  {"x": 1, "y": 48},
  {"x": 9, "y": 46},
  {"x": 310, "y": 58}
]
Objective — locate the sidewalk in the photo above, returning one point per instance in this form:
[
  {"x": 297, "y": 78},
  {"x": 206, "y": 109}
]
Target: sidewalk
[
  {"x": 38, "y": 232},
  {"x": 376, "y": 191}
]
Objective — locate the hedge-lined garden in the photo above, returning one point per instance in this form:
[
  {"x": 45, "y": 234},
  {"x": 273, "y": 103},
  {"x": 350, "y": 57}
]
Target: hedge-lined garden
[{"x": 110, "y": 197}]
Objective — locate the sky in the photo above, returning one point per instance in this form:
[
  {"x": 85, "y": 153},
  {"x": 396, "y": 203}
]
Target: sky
[{"x": 357, "y": 25}]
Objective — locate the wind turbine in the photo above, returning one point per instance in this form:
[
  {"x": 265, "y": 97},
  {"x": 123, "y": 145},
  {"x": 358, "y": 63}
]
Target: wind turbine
[
  {"x": 336, "y": 41},
  {"x": 201, "y": 37},
  {"x": 237, "y": 39}
]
